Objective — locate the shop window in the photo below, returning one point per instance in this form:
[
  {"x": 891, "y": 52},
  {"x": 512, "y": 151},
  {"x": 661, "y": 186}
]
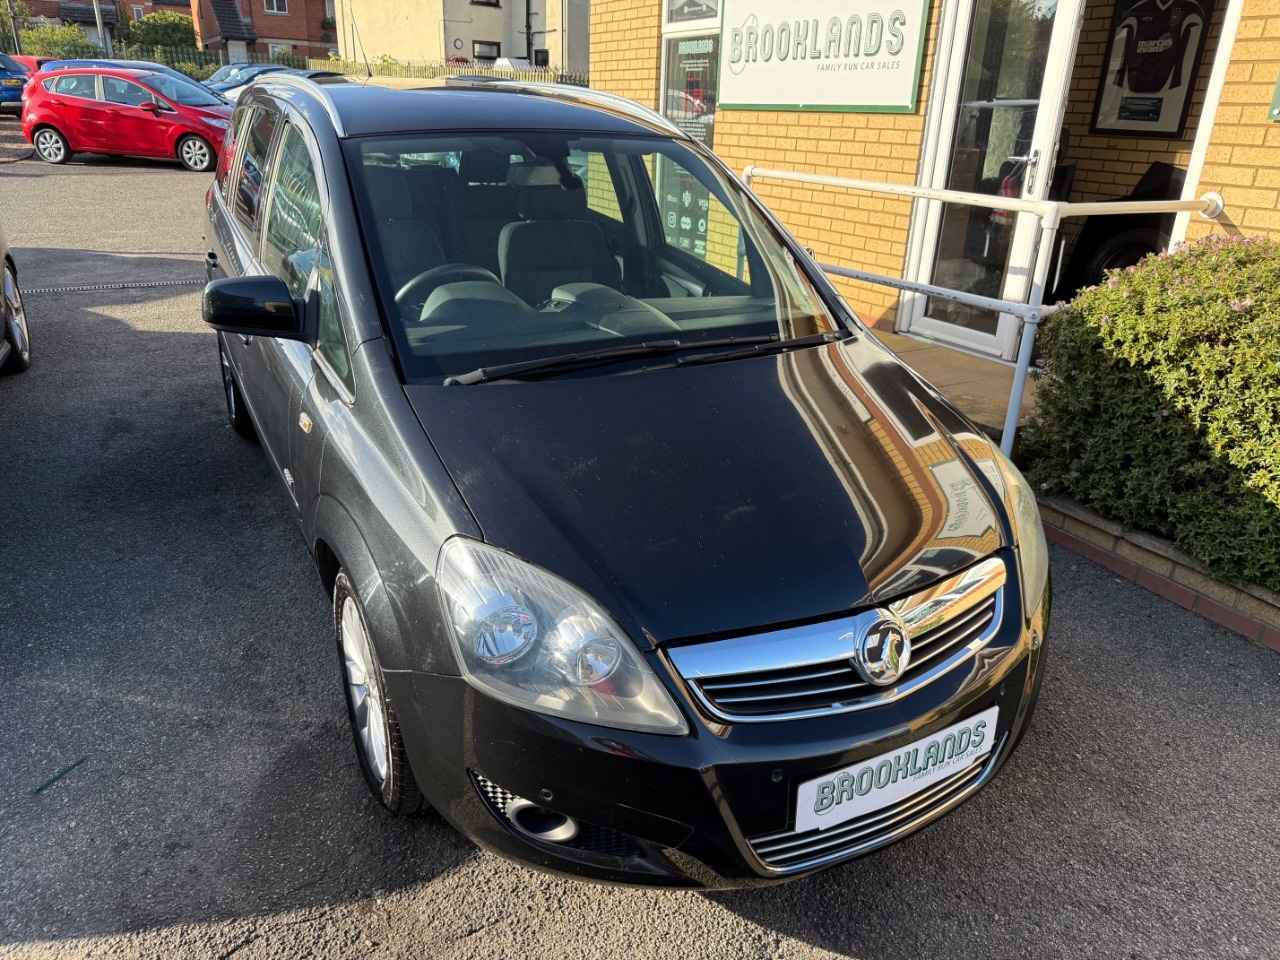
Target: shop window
[
  {"x": 486, "y": 50},
  {"x": 691, "y": 73}
]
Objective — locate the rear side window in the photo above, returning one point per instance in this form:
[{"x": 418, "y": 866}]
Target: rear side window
[
  {"x": 76, "y": 85},
  {"x": 292, "y": 234},
  {"x": 238, "y": 120},
  {"x": 262, "y": 127}
]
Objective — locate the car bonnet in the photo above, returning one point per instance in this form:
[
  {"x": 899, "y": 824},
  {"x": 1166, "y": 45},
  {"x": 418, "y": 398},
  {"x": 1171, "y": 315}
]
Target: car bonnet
[{"x": 718, "y": 499}]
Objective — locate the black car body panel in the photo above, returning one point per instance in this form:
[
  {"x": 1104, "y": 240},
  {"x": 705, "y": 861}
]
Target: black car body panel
[
  {"x": 709, "y": 500},
  {"x": 695, "y": 504}
]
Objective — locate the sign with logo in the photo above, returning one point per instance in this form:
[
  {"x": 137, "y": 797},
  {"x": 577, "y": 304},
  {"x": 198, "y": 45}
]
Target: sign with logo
[
  {"x": 849, "y": 55},
  {"x": 868, "y": 786}
]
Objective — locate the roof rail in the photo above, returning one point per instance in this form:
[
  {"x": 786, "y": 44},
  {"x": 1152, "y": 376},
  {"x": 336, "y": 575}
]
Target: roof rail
[
  {"x": 585, "y": 95},
  {"x": 310, "y": 86}
]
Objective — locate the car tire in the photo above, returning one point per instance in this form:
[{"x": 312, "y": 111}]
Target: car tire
[
  {"x": 196, "y": 153},
  {"x": 237, "y": 413},
  {"x": 374, "y": 727},
  {"x": 51, "y": 146},
  {"x": 13, "y": 319},
  {"x": 1123, "y": 250}
]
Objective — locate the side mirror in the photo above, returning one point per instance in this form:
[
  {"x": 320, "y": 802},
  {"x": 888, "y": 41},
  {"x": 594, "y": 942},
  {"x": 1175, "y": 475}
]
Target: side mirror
[
  {"x": 254, "y": 307},
  {"x": 150, "y": 106}
]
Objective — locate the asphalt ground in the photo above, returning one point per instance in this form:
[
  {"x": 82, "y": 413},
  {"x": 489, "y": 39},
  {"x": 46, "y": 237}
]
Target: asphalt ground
[{"x": 178, "y": 781}]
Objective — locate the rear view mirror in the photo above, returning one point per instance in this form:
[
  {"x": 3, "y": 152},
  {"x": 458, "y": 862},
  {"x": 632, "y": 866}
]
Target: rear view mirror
[{"x": 253, "y": 307}]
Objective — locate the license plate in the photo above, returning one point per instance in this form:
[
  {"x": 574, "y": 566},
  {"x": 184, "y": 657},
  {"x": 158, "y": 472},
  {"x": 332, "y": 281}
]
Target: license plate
[
  {"x": 10, "y": 83},
  {"x": 868, "y": 785}
]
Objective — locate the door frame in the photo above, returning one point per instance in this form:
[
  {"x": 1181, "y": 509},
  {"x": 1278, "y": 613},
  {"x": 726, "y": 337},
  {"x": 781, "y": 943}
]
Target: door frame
[{"x": 946, "y": 88}]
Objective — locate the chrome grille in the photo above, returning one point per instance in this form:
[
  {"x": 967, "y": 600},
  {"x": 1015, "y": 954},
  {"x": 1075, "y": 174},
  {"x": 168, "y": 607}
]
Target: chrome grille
[
  {"x": 788, "y": 851},
  {"x": 808, "y": 670}
]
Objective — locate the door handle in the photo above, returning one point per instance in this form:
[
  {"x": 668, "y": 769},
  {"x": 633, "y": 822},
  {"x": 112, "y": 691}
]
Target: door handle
[
  {"x": 1032, "y": 160},
  {"x": 56, "y": 102}
]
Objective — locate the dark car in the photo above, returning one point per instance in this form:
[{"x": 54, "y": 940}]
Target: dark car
[
  {"x": 15, "y": 337},
  {"x": 649, "y": 563}
]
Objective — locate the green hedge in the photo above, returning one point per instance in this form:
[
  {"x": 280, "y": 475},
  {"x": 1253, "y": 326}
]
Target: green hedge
[{"x": 1158, "y": 403}]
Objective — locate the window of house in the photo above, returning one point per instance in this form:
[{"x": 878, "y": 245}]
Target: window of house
[
  {"x": 275, "y": 6},
  {"x": 137, "y": 13},
  {"x": 279, "y": 49},
  {"x": 487, "y": 3},
  {"x": 486, "y": 50}
]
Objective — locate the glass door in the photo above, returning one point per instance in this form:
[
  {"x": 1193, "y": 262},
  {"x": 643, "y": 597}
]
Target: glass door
[{"x": 998, "y": 111}]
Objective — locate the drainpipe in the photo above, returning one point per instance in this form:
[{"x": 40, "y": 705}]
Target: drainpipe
[{"x": 102, "y": 33}]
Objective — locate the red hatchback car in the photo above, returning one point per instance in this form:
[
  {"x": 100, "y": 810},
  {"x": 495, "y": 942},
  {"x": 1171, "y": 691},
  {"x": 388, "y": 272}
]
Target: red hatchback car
[{"x": 133, "y": 113}]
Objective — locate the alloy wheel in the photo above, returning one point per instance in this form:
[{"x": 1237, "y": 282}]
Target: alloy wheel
[
  {"x": 50, "y": 146},
  {"x": 195, "y": 153},
  {"x": 16, "y": 318},
  {"x": 364, "y": 690}
]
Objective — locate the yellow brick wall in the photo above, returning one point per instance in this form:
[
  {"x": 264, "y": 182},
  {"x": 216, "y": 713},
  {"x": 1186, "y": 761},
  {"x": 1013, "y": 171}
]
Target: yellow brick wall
[
  {"x": 1243, "y": 162},
  {"x": 626, "y": 48},
  {"x": 851, "y": 229}
]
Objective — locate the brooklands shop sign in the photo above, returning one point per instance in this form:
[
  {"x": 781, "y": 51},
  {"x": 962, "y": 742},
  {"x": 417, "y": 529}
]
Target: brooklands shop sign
[{"x": 855, "y": 55}]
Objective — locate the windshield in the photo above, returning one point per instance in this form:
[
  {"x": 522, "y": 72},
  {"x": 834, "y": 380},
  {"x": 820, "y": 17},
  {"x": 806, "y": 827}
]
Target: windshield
[
  {"x": 497, "y": 249},
  {"x": 228, "y": 74},
  {"x": 186, "y": 92},
  {"x": 12, "y": 66}
]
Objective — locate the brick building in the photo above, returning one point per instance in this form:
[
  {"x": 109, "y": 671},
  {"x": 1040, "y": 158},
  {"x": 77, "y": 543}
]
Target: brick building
[
  {"x": 1078, "y": 100},
  {"x": 264, "y": 29}
]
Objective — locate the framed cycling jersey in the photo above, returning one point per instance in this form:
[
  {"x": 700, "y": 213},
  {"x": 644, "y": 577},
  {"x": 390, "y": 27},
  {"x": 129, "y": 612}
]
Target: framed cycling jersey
[{"x": 1151, "y": 68}]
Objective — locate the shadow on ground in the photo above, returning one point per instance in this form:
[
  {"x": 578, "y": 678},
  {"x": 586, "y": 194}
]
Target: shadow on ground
[{"x": 167, "y": 650}]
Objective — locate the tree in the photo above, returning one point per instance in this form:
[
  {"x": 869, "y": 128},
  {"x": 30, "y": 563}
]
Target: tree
[
  {"x": 163, "y": 29},
  {"x": 21, "y": 10},
  {"x": 64, "y": 42}
]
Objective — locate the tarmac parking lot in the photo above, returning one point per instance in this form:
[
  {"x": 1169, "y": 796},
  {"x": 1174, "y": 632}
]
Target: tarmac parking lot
[{"x": 179, "y": 780}]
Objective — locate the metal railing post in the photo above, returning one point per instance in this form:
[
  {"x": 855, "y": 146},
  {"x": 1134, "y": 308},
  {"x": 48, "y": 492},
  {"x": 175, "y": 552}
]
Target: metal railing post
[{"x": 1044, "y": 253}]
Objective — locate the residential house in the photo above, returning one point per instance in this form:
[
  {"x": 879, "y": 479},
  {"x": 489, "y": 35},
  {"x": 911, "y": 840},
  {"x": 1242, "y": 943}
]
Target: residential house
[
  {"x": 265, "y": 29},
  {"x": 541, "y": 32}
]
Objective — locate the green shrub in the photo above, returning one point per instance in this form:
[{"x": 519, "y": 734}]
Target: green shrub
[
  {"x": 164, "y": 28},
  {"x": 1158, "y": 404},
  {"x": 65, "y": 42},
  {"x": 196, "y": 71}
]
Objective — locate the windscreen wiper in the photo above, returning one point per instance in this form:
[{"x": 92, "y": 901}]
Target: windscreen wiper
[
  {"x": 569, "y": 360},
  {"x": 765, "y": 349}
]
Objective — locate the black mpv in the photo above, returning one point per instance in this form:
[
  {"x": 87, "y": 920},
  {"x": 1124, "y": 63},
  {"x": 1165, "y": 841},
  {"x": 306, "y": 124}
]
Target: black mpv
[{"x": 649, "y": 563}]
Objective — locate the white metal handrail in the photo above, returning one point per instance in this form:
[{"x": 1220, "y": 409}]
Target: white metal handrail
[{"x": 1049, "y": 215}]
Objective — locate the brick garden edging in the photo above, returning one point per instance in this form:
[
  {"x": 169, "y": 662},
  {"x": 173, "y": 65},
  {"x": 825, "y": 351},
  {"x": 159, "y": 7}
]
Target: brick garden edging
[{"x": 1164, "y": 570}]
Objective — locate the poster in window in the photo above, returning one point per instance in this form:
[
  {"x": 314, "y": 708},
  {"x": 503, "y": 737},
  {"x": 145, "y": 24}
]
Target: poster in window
[
  {"x": 693, "y": 65},
  {"x": 1151, "y": 68}
]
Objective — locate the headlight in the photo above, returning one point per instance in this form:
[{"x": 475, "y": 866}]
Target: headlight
[
  {"x": 529, "y": 638},
  {"x": 1033, "y": 551},
  {"x": 214, "y": 122}
]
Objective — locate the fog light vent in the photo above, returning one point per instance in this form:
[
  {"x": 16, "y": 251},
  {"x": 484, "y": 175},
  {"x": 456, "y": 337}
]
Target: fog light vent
[{"x": 537, "y": 823}]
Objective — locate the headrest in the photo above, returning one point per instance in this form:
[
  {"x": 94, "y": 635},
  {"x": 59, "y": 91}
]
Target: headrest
[
  {"x": 551, "y": 203},
  {"x": 538, "y": 173},
  {"x": 483, "y": 166},
  {"x": 388, "y": 193}
]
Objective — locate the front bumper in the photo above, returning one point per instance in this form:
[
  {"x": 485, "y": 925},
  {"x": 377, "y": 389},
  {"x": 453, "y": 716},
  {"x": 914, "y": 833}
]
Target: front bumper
[{"x": 684, "y": 811}]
